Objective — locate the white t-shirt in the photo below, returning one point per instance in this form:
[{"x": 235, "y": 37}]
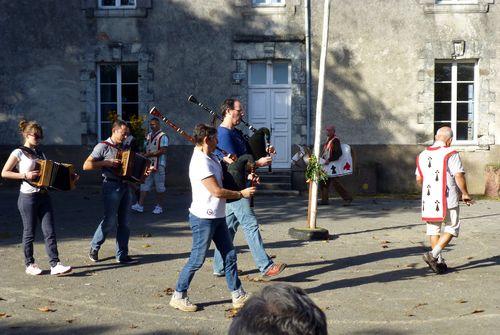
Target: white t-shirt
[
  {"x": 25, "y": 164},
  {"x": 205, "y": 205},
  {"x": 454, "y": 166}
]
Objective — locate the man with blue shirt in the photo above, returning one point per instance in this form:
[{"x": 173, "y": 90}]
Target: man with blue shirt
[{"x": 238, "y": 211}]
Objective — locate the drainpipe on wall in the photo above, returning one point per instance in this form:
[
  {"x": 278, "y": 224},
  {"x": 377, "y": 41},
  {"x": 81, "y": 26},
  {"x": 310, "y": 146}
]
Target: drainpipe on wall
[{"x": 307, "y": 29}]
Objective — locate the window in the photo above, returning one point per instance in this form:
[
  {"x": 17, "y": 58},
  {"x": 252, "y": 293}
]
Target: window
[
  {"x": 269, "y": 73},
  {"x": 117, "y": 94},
  {"x": 116, "y": 4},
  {"x": 455, "y": 99},
  {"x": 268, "y": 2}
]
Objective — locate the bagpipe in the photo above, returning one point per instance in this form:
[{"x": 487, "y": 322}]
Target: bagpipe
[
  {"x": 234, "y": 176},
  {"x": 257, "y": 144},
  {"x": 341, "y": 167}
]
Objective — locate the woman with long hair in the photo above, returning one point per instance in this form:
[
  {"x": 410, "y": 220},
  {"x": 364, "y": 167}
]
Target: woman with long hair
[{"x": 34, "y": 202}]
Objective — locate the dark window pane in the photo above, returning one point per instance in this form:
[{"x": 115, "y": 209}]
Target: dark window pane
[
  {"x": 442, "y": 72},
  {"x": 108, "y": 73},
  {"x": 465, "y": 72},
  {"x": 280, "y": 73},
  {"x": 129, "y": 73},
  {"x": 438, "y": 125},
  {"x": 465, "y": 131},
  {"x": 107, "y": 112},
  {"x": 442, "y": 92},
  {"x": 108, "y": 93},
  {"x": 465, "y": 92},
  {"x": 442, "y": 111},
  {"x": 105, "y": 130},
  {"x": 465, "y": 111},
  {"x": 128, "y": 110},
  {"x": 130, "y": 93},
  {"x": 127, "y": 2}
]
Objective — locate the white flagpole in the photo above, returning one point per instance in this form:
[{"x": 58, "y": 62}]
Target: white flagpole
[{"x": 313, "y": 188}]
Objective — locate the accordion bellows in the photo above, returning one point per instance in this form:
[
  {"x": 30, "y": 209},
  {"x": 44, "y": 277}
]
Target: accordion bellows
[{"x": 55, "y": 175}]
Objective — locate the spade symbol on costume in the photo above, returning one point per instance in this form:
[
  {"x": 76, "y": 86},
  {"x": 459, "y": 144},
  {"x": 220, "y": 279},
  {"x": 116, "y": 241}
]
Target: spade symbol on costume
[
  {"x": 437, "y": 175},
  {"x": 437, "y": 205},
  {"x": 429, "y": 159},
  {"x": 428, "y": 189},
  {"x": 334, "y": 169},
  {"x": 423, "y": 205}
]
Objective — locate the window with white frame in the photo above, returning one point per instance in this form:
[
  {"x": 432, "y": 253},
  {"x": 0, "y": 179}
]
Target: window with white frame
[
  {"x": 269, "y": 73},
  {"x": 268, "y": 2},
  {"x": 117, "y": 94},
  {"x": 117, "y": 4},
  {"x": 455, "y": 99}
]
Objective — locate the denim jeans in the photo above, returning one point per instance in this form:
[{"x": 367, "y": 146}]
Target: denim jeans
[
  {"x": 35, "y": 207},
  {"x": 205, "y": 231},
  {"x": 240, "y": 212},
  {"x": 117, "y": 200}
]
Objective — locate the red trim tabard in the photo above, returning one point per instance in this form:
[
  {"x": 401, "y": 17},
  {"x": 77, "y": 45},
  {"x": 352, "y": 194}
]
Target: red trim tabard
[{"x": 420, "y": 170}]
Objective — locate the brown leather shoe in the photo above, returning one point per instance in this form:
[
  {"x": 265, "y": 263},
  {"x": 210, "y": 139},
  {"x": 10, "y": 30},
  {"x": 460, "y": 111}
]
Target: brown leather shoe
[{"x": 274, "y": 270}]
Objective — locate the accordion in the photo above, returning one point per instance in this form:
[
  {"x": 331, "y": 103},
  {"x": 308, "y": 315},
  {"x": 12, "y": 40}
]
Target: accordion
[
  {"x": 133, "y": 166},
  {"x": 58, "y": 176}
]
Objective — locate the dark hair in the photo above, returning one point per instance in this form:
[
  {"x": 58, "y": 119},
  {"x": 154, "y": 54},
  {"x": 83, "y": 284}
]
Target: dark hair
[
  {"x": 155, "y": 119},
  {"x": 227, "y": 104},
  {"x": 201, "y": 131},
  {"x": 279, "y": 309},
  {"x": 28, "y": 126},
  {"x": 119, "y": 123}
]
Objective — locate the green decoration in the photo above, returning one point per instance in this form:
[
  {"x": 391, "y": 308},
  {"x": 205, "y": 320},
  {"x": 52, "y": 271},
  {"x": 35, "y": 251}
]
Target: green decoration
[{"x": 314, "y": 170}]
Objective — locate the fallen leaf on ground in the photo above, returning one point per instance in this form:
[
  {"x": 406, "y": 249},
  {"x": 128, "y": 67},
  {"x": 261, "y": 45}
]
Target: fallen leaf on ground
[
  {"x": 385, "y": 246},
  {"x": 385, "y": 242},
  {"x": 410, "y": 314},
  {"x": 1, "y": 299},
  {"x": 46, "y": 309},
  {"x": 272, "y": 256},
  {"x": 70, "y": 320},
  {"x": 169, "y": 291},
  {"x": 133, "y": 326},
  {"x": 158, "y": 295},
  {"x": 477, "y": 311},
  {"x": 462, "y": 301},
  {"x": 257, "y": 279},
  {"x": 231, "y": 313},
  {"x": 470, "y": 257},
  {"x": 411, "y": 265},
  {"x": 420, "y": 305},
  {"x": 146, "y": 246},
  {"x": 4, "y": 315}
]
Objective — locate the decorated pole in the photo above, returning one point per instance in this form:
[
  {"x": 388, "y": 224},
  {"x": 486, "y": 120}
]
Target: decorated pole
[
  {"x": 313, "y": 185},
  {"x": 313, "y": 232}
]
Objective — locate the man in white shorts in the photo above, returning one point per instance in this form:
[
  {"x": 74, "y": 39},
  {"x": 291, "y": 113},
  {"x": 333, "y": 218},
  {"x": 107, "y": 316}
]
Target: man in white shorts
[
  {"x": 441, "y": 175},
  {"x": 156, "y": 149}
]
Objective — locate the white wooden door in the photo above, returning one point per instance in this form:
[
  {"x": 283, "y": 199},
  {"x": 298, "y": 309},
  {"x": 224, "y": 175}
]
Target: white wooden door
[{"x": 271, "y": 108}]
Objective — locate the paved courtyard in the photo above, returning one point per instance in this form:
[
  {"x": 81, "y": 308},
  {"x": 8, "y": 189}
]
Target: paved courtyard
[{"x": 369, "y": 278}]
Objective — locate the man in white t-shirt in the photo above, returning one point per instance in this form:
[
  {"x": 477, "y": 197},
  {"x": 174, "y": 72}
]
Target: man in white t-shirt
[{"x": 441, "y": 175}]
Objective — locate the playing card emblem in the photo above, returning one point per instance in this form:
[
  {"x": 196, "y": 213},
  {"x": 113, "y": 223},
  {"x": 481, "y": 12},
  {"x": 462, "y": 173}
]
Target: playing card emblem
[
  {"x": 347, "y": 166},
  {"x": 429, "y": 159},
  {"x": 437, "y": 175},
  {"x": 423, "y": 205},
  {"x": 428, "y": 189},
  {"x": 334, "y": 169},
  {"x": 437, "y": 205}
]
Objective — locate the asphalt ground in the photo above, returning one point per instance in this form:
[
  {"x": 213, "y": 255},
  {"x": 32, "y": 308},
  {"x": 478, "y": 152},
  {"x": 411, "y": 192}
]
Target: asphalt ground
[{"x": 369, "y": 278}]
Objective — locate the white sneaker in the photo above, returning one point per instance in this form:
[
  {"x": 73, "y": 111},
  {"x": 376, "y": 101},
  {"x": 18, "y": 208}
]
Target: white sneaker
[
  {"x": 182, "y": 304},
  {"x": 138, "y": 208},
  {"x": 240, "y": 300},
  {"x": 59, "y": 269},
  {"x": 158, "y": 210},
  {"x": 33, "y": 270}
]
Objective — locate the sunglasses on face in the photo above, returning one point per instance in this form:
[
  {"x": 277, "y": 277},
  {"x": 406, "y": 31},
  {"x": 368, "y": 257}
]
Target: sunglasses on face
[{"x": 36, "y": 136}]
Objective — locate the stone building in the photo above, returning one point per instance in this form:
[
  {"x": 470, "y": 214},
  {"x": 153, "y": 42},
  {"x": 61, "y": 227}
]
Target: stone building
[{"x": 395, "y": 71}]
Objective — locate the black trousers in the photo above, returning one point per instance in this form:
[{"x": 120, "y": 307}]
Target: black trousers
[{"x": 34, "y": 208}]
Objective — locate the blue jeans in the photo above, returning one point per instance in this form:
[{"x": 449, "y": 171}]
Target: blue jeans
[
  {"x": 34, "y": 208},
  {"x": 240, "y": 212},
  {"x": 205, "y": 231},
  {"x": 117, "y": 199}
]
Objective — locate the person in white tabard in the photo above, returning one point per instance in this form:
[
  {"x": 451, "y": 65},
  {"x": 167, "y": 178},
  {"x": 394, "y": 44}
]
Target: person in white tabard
[
  {"x": 441, "y": 175},
  {"x": 156, "y": 149}
]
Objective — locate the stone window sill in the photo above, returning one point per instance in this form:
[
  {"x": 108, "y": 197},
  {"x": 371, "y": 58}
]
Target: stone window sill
[
  {"x": 431, "y": 8},
  {"x": 138, "y": 12}
]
